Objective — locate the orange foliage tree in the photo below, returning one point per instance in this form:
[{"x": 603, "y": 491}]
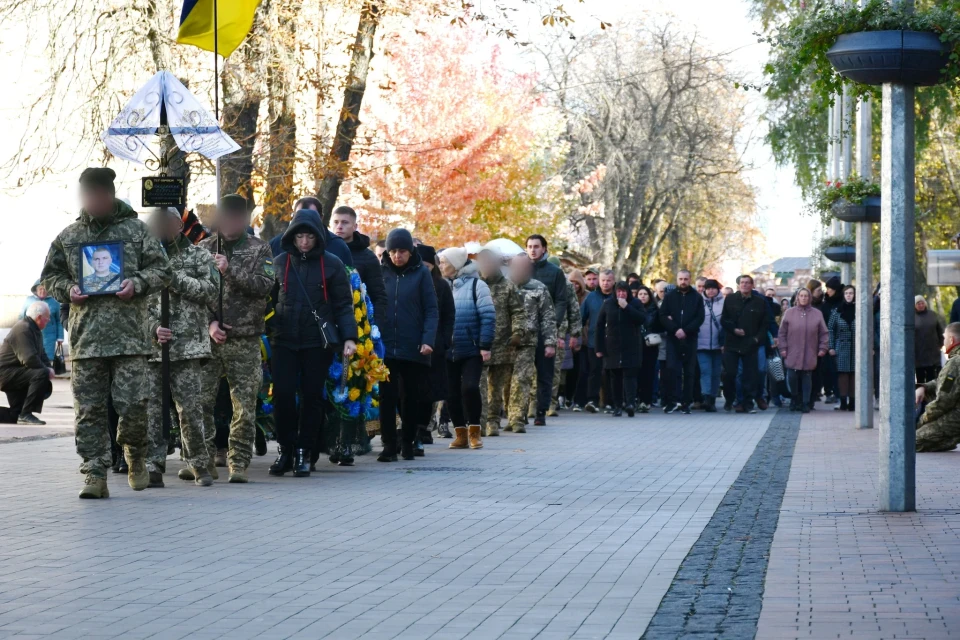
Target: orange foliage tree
[{"x": 458, "y": 149}]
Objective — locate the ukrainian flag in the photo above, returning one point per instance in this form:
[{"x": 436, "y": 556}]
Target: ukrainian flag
[{"x": 234, "y": 21}]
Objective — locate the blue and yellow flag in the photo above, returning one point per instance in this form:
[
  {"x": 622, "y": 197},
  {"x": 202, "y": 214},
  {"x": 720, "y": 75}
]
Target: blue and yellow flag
[{"x": 234, "y": 20}]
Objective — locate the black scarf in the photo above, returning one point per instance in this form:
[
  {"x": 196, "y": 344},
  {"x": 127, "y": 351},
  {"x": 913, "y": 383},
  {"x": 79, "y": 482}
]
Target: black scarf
[{"x": 848, "y": 311}]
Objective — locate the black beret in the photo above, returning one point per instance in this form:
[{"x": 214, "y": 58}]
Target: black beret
[
  {"x": 234, "y": 203},
  {"x": 98, "y": 177}
]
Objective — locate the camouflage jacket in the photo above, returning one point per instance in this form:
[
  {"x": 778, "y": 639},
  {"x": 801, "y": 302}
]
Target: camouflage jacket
[
  {"x": 572, "y": 323},
  {"x": 246, "y": 284},
  {"x": 945, "y": 392},
  {"x": 105, "y": 326},
  {"x": 193, "y": 289},
  {"x": 511, "y": 319},
  {"x": 541, "y": 318}
]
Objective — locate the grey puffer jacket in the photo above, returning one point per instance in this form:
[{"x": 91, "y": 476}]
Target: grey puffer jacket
[{"x": 710, "y": 337}]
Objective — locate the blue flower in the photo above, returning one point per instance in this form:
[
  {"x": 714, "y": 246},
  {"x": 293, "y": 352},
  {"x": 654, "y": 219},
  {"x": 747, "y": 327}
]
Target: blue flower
[
  {"x": 370, "y": 310},
  {"x": 373, "y": 413},
  {"x": 353, "y": 408},
  {"x": 340, "y": 395},
  {"x": 374, "y": 331},
  {"x": 379, "y": 349},
  {"x": 336, "y": 370},
  {"x": 355, "y": 280},
  {"x": 267, "y": 408}
]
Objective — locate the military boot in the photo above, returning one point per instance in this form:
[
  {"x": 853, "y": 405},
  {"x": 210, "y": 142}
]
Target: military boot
[
  {"x": 137, "y": 477},
  {"x": 283, "y": 463},
  {"x": 301, "y": 463},
  {"x": 156, "y": 480},
  {"x": 212, "y": 470},
  {"x": 94, "y": 487},
  {"x": 460, "y": 442},
  {"x": 203, "y": 477},
  {"x": 474, "y": 436},
  {"x": 186, "y": 474},
  {"x": 492, "y": 431},
  {"x": 238, "y": 476},
  {"x": 220, "y": 459}
]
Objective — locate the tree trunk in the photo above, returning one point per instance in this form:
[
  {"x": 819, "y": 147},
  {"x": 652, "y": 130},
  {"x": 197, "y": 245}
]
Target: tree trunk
[
  {"x": 282, "y": 87},
  {"x": 349, "y": 120},
  {"x": 242, "y": 92}
]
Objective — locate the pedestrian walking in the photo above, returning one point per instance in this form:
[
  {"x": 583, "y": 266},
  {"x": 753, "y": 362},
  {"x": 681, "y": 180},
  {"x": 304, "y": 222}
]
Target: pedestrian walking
[
  {"x": 473, "y": 335},
  {"x": 109, "y": 343},
  {"x": 843, "y": 328},
  {"x": 409, "y": 333},
  {"x": 928, "y": 341},
  {"x": 590, "y": 315},
  {"x": 552, "y": 277},
  {"x": 574, "y": 391},
  {"x": 618, "y": 344},
  {"x": 681, "y": 315},
  {"x": 343, "y": 223},
  {"x": 803, "y": 340},
  {"x": 744, "y": 322},
  {"x": 314, "y": 324},
  {"x": 540, "y": 334},
  {"x": 651, "y": 341},
  {"x": 710, "y": 345}
]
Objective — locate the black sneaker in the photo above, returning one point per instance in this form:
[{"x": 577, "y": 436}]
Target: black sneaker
[
  {"x": 684, "y": 409},
  {"x": 590, "y": 408},
  {"x": 443, "y": 430},
  {"x": 670, "y": 407},
  {"x": 728, "y": 406},
  {"x": 31, "y": 420},
  {"x": 540, "y": 421},
  {"x": 631, "y": 410}
]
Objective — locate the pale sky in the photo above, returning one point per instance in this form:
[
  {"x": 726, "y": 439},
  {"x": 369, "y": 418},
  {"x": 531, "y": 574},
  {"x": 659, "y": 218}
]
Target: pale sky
[{"x": 30, "y": 218}]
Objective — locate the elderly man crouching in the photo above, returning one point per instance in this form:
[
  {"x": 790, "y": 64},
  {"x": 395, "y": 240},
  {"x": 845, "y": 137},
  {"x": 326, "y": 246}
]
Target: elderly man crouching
[
  {"x": 938, "y": 428},
  {"x": 25, "y": 369}
]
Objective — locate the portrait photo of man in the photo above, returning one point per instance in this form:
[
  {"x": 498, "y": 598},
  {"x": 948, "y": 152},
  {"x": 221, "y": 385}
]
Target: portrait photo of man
[{"x": 102, "y": 268}]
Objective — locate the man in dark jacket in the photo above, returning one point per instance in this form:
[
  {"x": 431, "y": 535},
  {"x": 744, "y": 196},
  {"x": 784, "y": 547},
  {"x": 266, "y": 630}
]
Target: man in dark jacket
[
  {"x": 25, "y": 369},
  {"x": 334, "y": 245},
  {"x": 744, "y": 322},
  {"x": 681, "y": 315},
  {"x": 343, "y": 223},
  {"x": 409, "y": 333},
  {"x": 552, "y": 277},
  {"x": 589, "y": 314}
]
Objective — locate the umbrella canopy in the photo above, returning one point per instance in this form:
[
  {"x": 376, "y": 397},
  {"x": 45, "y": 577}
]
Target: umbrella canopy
[{"x": 505, "y": 246}]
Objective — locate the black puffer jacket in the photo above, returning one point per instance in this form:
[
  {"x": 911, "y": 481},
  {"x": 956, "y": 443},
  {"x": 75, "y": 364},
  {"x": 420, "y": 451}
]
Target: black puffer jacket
[
  {"x": 618, "y": 334},
  {"x": 412, "y": 316},
  {"x": 368, "y": 268},
  {"x": 556, "y": 283},
  {"x": 324, "y": 279},
  {"x": 682, "y": 309}
]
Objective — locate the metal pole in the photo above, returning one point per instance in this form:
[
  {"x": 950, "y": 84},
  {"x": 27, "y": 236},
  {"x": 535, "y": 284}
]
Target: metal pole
[
  {"x": 864, "y": 333},
  {"x": 216, "y": 110},
  {"x": 846, "y": 125},
  {"x": 897, "y": 429}
]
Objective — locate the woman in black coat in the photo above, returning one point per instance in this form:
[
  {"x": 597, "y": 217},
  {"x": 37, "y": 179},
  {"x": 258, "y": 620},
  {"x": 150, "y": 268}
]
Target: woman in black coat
[
  {"x": 437, "y": 378},
  {"x": 618, "y": 343},
  {"x": 313, "y": 322},
  {"x": 409, "y": 336},
  {"x": 649, "y": 353}
]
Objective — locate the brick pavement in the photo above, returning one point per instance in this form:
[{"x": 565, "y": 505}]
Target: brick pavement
[
  {"x": 575, "y": 530},
  {"x": 840, "y": 569}
]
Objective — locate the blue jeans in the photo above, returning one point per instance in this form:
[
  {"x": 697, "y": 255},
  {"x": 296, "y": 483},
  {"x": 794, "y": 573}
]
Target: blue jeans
[{"x": 710, "y": 364}]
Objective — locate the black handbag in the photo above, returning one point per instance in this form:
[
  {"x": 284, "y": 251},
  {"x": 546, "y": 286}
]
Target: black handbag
[
  {"x": 328, "y": 331},
  {"x": 59, "y": 364}
]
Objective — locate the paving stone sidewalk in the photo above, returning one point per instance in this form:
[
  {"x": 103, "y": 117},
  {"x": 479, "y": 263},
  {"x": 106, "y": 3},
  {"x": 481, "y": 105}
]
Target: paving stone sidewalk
[
  {"x": 839, "y": 568},
  {"x": 57, "y": 413},
  {"x": 575, "y": 530}
]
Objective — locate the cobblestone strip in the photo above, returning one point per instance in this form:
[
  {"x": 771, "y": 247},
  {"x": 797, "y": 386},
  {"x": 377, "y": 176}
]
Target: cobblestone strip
[{"x": 718, "y": 589}]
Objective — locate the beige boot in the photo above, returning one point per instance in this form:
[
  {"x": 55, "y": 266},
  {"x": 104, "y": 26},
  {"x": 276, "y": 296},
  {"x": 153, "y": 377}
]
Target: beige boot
[
  {"x": 492, "y": 431},
  {"x": 94, "y": 487},
  {"x": 475, "y": 441},
  {"x": 238, "y": 475},
  {"x": 212, "y": 469},
  {"x": 460, "y": 441},
  {"x": 186, "y": 474},
  {"x": 137, "y": 475}
]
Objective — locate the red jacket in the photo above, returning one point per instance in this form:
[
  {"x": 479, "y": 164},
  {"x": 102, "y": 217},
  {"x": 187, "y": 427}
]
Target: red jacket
[{"x": 803, "y": 334}]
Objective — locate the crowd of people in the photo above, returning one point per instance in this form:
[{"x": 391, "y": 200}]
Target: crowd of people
[{"x": 480, "y": 342}]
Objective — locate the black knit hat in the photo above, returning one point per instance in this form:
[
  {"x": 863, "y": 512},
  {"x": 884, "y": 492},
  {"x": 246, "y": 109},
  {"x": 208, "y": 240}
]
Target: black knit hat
[
  {"x": 99, "y": 177},
  {"x": 234, "y": 203},
  {"x": 400, "y": 239},
  {"x": 427, "y": 254}
]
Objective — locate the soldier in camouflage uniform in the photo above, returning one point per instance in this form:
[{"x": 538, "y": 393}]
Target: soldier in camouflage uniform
[
  {"x": 571, "y": 326},
  {"x": 510, "y": 328},
  {"x": 541, "y": 327},
  {"x": 246, "y": 270},
  {"x": 109, "y": 341},
  {"x": 939, "y": 427},
  {"x": 193, "y": 290}
]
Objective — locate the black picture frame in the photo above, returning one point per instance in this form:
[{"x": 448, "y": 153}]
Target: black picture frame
[{"x": 92, "y": 255}]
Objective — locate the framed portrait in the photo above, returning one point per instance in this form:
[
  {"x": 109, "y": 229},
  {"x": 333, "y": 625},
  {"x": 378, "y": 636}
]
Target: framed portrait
[{"x": 101, "y": 268}]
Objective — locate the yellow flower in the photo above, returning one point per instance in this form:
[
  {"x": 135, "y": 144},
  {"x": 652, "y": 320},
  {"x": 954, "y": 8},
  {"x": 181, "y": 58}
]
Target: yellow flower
[
  {"x": 357, "y": 315},
  {"x": 376, "y": 403},
  {"x": 370, "y": 384},
  {"x": 360, "y": 349},
  {"x": 356, "y": 297},
  {"x": 368, "y": 345},
  {"x": 354, "y": 394}
]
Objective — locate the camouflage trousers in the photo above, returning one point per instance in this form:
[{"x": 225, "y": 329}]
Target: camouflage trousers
[
  {"x": 238, "y": 359},
  {"x": 93, "y": 381},
  {"x": 497, "y": 387},
  {"x": 524, "y": 373},
  {"x": 942, "y": 434},
  {"x": 186, "y": 390}
]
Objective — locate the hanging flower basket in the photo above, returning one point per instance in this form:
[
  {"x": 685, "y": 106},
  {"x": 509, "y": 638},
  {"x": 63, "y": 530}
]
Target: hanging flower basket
[
  {"x": 842, "y": 253},
  {"x": 866, "y": 211},
  {"x": 878, "y": 57}
]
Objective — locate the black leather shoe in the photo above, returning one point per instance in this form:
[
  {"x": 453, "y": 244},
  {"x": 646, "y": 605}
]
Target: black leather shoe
[
  {"x": 346, "y": 460},
  {"x": 301, "y": 463},
  {"x": 122, "y": 466},
  {"x": 260, "y": 443},
  {"x": 631, "y": 410},
  {"x": 283, "y": 463},
  {"x": 156, "y": 480},
  {"x": 389, "y": 454},
  {"x": 406, "y": 451},
  {"x": 418, "y": 449},
  {"x": 424, "y": 436}
]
